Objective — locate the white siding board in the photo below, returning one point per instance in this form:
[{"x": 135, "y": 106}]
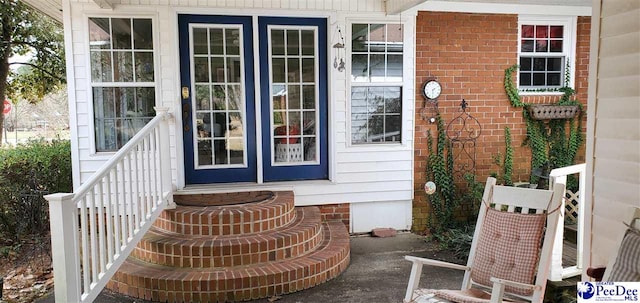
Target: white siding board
[
  {"x": 302, "y": 199},
  {"x": 616, "y": 154},
  {"x": 616, "y": 7},
  {"x": 355, "y": 167},
  {"x": 610, "y": 128},
  {"x": 352, "y": 188},
  {"x": 620, "y": 66},
  {"x": 624, "y": 44},
  {"x": 619, "y": 87},
  {"x": 623, "y": 150},
  {"x": 353, "y": 157},
  {"x": 616, "y": 170},
  {"x": 620, "y": 24},
  {"x": 619, "y": 108},
  {"x": 365, "y": 177}
]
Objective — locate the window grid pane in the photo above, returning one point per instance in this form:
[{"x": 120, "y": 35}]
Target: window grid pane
[
  {"x": 219, "y": 105},
  {"x": 121, "y": 52},
  {"x": 376, "y": 53},
  {"x": 542, "y": 61},
  {"x": 376, "y": 57},
  {"x": 376, "y": 114},
  {"x": 294, "y": 95}
]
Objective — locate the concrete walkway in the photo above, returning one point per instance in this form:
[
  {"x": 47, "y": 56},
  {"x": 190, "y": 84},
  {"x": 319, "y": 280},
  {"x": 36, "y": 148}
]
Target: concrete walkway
[{"x": 377, "y": 273}]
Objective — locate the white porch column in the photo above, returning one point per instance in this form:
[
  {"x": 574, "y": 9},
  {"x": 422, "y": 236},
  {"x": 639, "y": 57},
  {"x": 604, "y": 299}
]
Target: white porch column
[
  {"x": 63, "y": 218},
  {"x": 165, "y": 156}
]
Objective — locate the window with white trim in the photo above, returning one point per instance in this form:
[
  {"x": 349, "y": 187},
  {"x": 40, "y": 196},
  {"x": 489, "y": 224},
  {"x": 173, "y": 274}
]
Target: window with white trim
[
  {"x": 544, "y": 49},
  {"x": 122, "y": 78},
  {"x": 376, "y": 83}
]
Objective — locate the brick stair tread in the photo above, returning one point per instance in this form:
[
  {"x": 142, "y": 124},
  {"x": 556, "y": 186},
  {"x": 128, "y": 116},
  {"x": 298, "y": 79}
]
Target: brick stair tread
[
  {"x": 164, "y": 283},
  {"x": 235, "y": 219},
  {"x": 216, "y": 199},
  {"x": 169, "y": 248}
]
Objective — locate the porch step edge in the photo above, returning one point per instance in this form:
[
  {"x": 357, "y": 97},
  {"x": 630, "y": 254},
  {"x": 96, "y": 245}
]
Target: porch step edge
[
  {"x": 148, "y": 281},
  {"x": 171, "y": 249}
]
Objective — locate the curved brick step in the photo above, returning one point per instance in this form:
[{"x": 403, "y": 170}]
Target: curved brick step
[
  {"x": 171, "y": 249},
  {"x": 238, "y": 219},
  {"x": 168, "y": 284}
]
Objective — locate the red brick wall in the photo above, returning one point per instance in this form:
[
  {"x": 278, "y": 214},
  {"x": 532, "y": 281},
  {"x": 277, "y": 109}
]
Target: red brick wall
[
  {"x": 468, "y": 54},
  {"x": 336, "y": 212}
]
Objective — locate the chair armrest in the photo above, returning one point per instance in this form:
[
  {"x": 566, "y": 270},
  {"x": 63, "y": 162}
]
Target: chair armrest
[
  {"x": 424, "y": 261},
  {"x": 596, "y": 272},
  {"x": 416, "y": 271},
  {"x": 498, "y": 288}
]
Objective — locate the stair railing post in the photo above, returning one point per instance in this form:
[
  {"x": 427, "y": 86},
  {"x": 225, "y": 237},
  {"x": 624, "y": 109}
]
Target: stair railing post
[
  {"x": 63, "y": 218},
  {"x": 556, "y": 273},
  {"x": 165, "y": 156}
]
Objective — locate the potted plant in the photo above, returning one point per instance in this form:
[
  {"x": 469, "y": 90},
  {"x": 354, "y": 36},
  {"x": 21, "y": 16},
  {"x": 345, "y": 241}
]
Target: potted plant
[{"x": 282, "y": 131}]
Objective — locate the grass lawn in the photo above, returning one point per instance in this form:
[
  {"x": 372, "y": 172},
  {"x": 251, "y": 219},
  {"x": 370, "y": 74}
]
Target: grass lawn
[{"x": 23, "y": 136}]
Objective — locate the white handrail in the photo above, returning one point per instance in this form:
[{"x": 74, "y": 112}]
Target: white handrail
[
  {"x": 559, "y": 175},
  {"x": 94, "y": 229}
]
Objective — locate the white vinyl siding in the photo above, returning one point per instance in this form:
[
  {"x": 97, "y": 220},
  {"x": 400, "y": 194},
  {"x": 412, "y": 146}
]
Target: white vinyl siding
[
  {"x": 613, "y": 147},
  {"x": 365, "y": 174}
]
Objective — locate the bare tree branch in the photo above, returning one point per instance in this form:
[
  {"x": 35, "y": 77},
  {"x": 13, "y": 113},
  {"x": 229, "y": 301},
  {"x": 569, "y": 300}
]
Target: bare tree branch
[{"x": 39, "y": 68}]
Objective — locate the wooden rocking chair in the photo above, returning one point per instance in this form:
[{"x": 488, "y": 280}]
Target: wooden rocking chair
[
  {"x": 625, "y": 266},
  {"x": 511, "y": 249}
]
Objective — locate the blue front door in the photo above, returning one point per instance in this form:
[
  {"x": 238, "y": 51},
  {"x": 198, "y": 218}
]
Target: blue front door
[
  {"x": 219, "y": 102},
  {"x": 293, "y": 89}
]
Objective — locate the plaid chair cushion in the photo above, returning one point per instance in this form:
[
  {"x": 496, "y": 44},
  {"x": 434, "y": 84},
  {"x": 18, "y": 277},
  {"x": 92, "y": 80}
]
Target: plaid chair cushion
[
  {"x": 627, "y": 264},
  {"x": 472, "y": 295},
  {"x": 508, "y": 248}
]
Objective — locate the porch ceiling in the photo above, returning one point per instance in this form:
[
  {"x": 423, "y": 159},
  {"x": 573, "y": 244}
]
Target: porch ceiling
[{"x": 53, "y": 8}]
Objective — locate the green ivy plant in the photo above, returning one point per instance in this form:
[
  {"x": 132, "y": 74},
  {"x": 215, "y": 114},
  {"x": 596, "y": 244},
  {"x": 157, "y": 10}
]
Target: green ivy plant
[
  {"x": 448, "y": 195},
  {"x": 440, "y": 170},
  {"x": 508, "y": 158},
  {"x": 504, "y": 163},
  {"x": 557, "y": 142}
]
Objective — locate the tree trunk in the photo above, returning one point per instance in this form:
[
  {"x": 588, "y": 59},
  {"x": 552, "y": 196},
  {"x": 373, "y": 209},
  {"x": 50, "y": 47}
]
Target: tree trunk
[
  {"x": 5, "y": 53},
  {"x": 4, "y": 73}
]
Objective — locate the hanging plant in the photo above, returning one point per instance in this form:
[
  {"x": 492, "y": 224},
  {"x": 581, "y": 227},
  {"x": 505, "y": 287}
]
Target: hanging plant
[{"x": 554, "y": 143}]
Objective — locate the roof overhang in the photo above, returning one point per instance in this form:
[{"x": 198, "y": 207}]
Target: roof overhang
[
  {"x": 53, "y": 8},
  {"x": 562, "y": 7}
]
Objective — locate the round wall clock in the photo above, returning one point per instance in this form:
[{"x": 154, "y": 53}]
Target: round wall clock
[{"x": 431, "y": 89}]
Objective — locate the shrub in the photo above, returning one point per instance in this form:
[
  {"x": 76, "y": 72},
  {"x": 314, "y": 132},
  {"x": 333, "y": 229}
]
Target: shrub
[
  {"x": 27, "y": 172},
  {"x": 457, "y": 240}
]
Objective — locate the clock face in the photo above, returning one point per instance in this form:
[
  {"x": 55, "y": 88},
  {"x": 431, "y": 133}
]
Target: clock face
[{"x": 432, "y": 89}]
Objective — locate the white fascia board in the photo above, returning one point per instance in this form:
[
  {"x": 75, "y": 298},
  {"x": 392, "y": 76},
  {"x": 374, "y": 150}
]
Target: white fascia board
[
  {"x": 394, "y": 7},
  {"x": 104, "y": 3},
  {"x": 504, "y": 8}
]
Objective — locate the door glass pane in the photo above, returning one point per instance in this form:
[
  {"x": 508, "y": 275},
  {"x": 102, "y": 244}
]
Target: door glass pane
[
  {"x": 216, "y": 41},
  {"x": 200, "y": 41},
  {"x": 277, "y": 42},
  {"x": 203, "y": 97},
  {"x": 308, "y": 37},
  {"x": 232, "y": 37},
  {"x": 293, "y": 95},
  {"x": 219, "y": 108}
]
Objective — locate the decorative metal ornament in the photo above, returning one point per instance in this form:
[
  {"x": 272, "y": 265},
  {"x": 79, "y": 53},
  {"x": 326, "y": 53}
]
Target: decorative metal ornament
[
  {"x": 430, "y": 188},
  {"x": 463, "y": 132}
]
